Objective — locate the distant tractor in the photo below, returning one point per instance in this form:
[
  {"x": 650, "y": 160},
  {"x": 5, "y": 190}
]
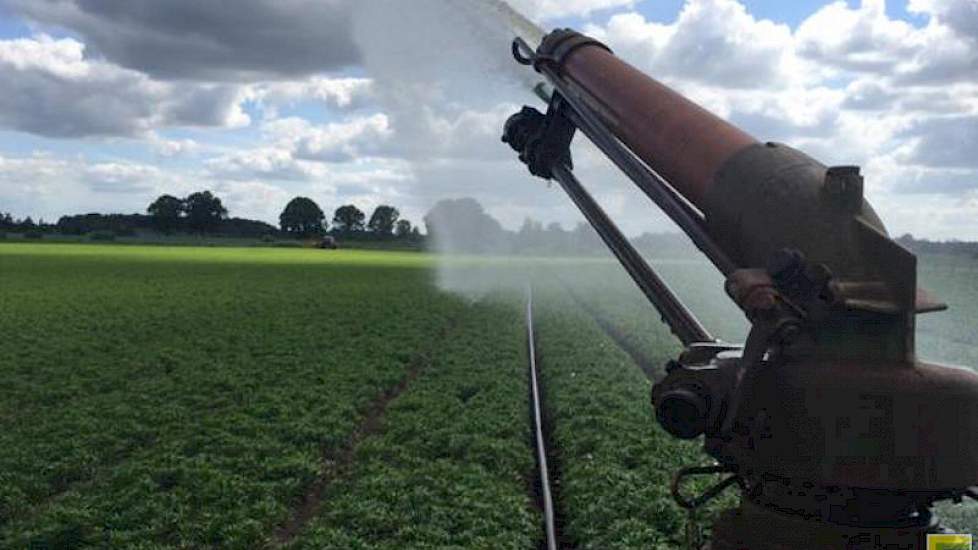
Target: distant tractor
[{"x": 328, "y": 243}]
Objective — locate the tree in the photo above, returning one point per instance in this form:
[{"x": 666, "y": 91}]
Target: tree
[
  {"x": 530, "y": 236},
  {"x": 303, "y": 217},
  {"x": 558, "y": 240},
  {"x": 204, "y": 211},
  {"x": 402, "y": 229},
  {"x": 585, "y": 240},
  {"x": 462, "y": 225},
  {"x": 348, "y": 219},
  {"x": 119, "y": 224},
  {"x": 166, "y": 212},
  {"x": 383, "y": 220}
]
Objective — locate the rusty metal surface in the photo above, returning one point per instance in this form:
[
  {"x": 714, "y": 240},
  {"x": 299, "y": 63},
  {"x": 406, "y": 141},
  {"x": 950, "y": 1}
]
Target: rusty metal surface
[
  {"x": 770, "y": 197},
  {"x": 757, "y": 528},
  {"x": 908, "y": 427},
  {"x": 680, "y": 140}
]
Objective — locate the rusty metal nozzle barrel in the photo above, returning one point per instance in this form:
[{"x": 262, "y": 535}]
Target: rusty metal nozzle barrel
[
  {"x": 680, "y": 140},
  {"x": 751, "y": 200}
]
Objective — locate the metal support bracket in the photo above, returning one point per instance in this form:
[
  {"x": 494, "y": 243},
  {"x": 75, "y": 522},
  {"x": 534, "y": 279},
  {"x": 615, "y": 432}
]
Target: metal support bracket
[
  {"x": 542, "y": 141},
  {"x": 711, "y": 493}
]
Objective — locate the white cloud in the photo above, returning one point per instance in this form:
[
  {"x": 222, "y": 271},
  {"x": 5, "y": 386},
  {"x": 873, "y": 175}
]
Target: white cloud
[
  {"x": 935, "y": 216},
  {"x": 946, "y": 142},
  {"x": 53, "y": 89},
  {"x": 335, "y": 92},
  {"x": 120, "y": 177},
  {"x": 173, "y": 147},
  {"x": 259, "y": 190},
  {"x": 45, "y": 186},
  {"x": 63, "y": 58},
  {"x": 253, "y": 199},
  {"x": 262, "y": 162},
  {"x": 850, "y": 85},
  {"x": 857, "y": 39},
  {"x": 428, "y": 133},
  {"x": 712, "y": 42},
  {"x": 960, "y": 15},
  {"x": 358, "y": 137},
  {"x": 865, "y": 40},
  {"x": 296, "y": 149},
  {"x": 28, "y": 178}
]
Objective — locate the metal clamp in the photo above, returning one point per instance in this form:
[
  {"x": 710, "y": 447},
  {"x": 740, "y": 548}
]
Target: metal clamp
[
  {"x": 519, "y": 47},
  {"x": 542, "y": 140},
  {"x": 554, "y": 50}
]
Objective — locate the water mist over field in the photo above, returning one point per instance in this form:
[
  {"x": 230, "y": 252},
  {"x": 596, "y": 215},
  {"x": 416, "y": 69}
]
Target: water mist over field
[
  {"x": 440, "y": 58},
  {"x": 433, "y": 66}
]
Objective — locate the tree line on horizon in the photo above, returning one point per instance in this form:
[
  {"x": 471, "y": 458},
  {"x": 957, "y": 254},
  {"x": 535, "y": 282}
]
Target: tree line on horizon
[
  {"x": 452, "y": 225},
  {"x": 301, "y": 218},
  {"x": 203, "y": 213}
]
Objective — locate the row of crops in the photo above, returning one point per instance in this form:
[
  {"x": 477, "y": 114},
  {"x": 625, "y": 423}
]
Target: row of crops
[
  {"x": 163, "y": 398},
  {"x": 453, "y": 464},
  {"x": 172, "y": 399},
  {"x": 614, "y": 467}
]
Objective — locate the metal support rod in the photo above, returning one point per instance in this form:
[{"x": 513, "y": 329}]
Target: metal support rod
[
  {"x": 653, "y": 185},
  {"x": 681, "y": 321},
  {"x": 650, "y": 183}
]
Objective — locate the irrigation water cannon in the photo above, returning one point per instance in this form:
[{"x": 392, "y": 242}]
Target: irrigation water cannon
[{"x": 835, "y": 433}]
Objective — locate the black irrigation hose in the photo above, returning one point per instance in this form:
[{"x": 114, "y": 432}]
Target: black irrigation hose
[{"x": 541, "y": 447}]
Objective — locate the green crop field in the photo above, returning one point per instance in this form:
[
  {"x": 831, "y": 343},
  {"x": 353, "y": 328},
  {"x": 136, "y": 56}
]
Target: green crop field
[{"x": 181, "y": 397}]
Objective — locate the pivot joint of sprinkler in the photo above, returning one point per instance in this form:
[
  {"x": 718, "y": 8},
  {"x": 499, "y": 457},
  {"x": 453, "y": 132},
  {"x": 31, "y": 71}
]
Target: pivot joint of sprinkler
[{"x": 693, "y": 398}]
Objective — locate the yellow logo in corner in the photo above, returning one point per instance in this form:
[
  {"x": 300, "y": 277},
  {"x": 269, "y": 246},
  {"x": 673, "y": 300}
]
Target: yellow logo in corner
[{"x": 948, "y": 542}]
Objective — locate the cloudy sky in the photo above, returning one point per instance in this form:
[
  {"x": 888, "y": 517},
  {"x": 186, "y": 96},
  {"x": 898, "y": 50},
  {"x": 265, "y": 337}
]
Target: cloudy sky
[{"x": 106, "y": 104}]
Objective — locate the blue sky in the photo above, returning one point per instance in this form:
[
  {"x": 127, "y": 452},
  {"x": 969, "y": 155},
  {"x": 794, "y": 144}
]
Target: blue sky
[
  {"x": 791, "y": 12},
  {"x": 172, "y": 97}
]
